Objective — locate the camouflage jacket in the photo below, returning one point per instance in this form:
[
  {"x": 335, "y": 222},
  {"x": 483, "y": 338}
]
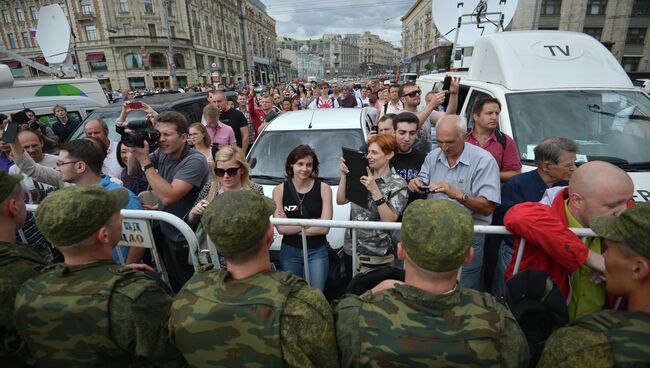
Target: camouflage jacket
[
  {"x": 605, "y": 339},
  {"x": 377, "y": 242},
  {"x": 407, "y": 327},
  {"x": 95, "y": 315},
  {"x": 266, "y": 320},
  {"x": 18, "y": 263}
]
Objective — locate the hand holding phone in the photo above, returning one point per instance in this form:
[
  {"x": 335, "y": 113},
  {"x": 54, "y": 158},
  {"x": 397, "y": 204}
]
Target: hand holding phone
[
  {"x": 10, "y": 132},
  {"x": 446, "y": 85},
  {"x": 136, "y": 105},
  {"x": 424, "y": 189}
]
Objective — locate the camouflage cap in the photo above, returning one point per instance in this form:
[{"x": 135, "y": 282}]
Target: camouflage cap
[
  {"x": 8, "y": 184},
  {"x": 70, "y": 215},
  {"x": 237, "y": 220},
  {"x": 631, "y": 226},
  {"x": 437, "y": 234}
]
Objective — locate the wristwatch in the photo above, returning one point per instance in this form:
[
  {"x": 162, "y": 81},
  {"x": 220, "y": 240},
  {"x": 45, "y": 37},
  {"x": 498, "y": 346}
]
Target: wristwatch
[
  {"x": 380, "y": 201},
  {"x": 145, "y": 167},
  {"x": 465, "y": 198}
]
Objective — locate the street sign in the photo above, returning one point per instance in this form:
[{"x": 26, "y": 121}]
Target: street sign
[
  {"x": 406, "y": 60},
  {"x": 214, "y": 67}
]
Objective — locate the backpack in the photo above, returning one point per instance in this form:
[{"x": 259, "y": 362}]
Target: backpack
[
  {"x": 365, "y": 281},
  {"x": 538, "y": 305}
]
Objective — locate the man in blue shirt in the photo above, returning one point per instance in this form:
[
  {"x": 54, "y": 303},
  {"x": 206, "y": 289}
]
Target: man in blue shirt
[{"x": 555, "y": 160}]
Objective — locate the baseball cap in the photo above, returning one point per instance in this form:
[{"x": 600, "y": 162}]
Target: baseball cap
[
  {"x": 437, "y": 234},
  {"x": 70, "y": 215},
  {"x": 237, "y": 220},
  {"x": 631, "y": 226},
  {"x": 7, "y": 184}
]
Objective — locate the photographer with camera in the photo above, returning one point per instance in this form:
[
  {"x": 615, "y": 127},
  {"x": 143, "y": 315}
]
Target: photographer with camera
[
  {"x": 176, "y": 173},
  {"x": 50, "y": 140}
]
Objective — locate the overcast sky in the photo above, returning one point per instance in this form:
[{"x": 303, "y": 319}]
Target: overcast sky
[{"x": 310, "y": 19}]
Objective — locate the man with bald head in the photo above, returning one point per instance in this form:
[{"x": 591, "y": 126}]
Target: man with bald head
[
  {"x": 468, "y": 174},
  {"x": 98, "y": 129},
  {"x": 575, "y": 264},
  {"x": 231, "y": 117}
]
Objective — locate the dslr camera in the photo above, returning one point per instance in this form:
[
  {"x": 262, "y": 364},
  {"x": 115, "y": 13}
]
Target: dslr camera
[{"x": 142, "y": 132}]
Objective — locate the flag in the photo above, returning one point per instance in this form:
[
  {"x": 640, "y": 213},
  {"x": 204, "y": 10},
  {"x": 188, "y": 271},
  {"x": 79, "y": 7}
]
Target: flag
[{"x": 32, "y": 32}]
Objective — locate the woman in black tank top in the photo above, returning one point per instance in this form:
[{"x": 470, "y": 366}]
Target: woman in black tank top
[{"x": 302, "y": 195}]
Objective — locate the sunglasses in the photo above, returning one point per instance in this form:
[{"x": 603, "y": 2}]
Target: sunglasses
[
  {"x": 413, "y": 94},
  {"x": 230, "y": 171}
]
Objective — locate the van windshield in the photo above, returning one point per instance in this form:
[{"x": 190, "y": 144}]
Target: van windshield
[
  {"x": 268, "y": 156},
  {"x": 612, "y": 126}
]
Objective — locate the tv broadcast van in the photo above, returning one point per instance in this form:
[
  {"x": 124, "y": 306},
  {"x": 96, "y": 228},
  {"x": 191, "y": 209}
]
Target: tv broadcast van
[{"x": 553, "y": 83}]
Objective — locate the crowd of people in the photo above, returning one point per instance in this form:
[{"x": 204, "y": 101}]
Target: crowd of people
[{"x": 71, "y": 297}]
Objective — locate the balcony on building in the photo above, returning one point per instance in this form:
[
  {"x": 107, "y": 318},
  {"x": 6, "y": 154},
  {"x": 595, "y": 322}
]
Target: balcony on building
[{"x": 82, "y": 16}]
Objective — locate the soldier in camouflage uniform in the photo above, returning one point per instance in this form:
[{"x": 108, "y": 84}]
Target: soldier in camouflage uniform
[
  {"x": 89, "y": 312},
  {"x": 18, "y": 263},
  {"x": 429, "y": 321},
  {"x": 612, "y": 338},
  {"x": 248, "y": 315}
]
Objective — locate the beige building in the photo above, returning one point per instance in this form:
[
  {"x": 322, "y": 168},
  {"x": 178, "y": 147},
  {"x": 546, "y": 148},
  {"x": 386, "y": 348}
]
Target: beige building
[
  {"x": 621, "y": 25},
  {"x": 338, "y": 54},
  {"x": 375, "y": 53},
  {"x": 124, "y": 44}
]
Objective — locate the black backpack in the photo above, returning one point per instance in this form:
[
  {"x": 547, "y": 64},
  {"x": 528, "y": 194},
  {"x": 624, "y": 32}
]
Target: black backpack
[
  {"x": 538, "y": 305},
  {"x": 363, "y": 282}
]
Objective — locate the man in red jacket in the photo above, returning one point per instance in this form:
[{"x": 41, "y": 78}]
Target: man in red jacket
[
  {"x": 595, "y": 189},
  {"x": 258, "y": 115}
]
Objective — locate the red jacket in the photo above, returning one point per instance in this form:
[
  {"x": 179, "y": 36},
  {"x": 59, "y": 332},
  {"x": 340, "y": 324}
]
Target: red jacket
[
  {"x": 257, "y": 115},
  {"x": 550, "y": 245}
]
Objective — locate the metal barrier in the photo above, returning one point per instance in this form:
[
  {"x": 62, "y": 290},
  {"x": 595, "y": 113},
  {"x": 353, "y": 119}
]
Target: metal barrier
[
  {"x": 170, "y": 219},
  {"x": 354, "y": 225}
]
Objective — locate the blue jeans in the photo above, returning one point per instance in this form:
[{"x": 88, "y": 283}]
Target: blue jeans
[
  {"x": 471, "y": 273},
  {"x": 291, "y": 260},
  {"x": 505, "y": 256}
]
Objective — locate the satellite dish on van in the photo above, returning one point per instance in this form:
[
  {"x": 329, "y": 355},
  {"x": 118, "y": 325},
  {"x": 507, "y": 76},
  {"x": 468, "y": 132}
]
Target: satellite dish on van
[
  {"x": 477, "y": 18},
  {"x": 53, "y": 33}
]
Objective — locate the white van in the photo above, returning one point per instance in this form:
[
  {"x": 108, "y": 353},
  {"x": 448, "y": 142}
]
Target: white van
[
  {"x": 79, "y": 96},
  {"x": 567, "y": 84}
]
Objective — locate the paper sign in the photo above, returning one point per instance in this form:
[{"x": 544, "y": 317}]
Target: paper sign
[
  {"x": 136, "y": 233},
  {"x": 530, "y": 152},
  {"x": 581, "y": 159}
]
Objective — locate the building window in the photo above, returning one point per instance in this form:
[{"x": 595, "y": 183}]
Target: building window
[
  {"x": 152, "y": 30},
  {"x": 124, "y": 5},
  {"x": 208, "y": 36},
  {"x": 160, "y": 82},
  {"x": 635, "y": 36},
  {"x": 551, "y": 7},
  {"x": 5, "y": 16},
  {"x": 91, "y": 32},
  {"x": 27, "y": 41},
  {"x": 197, "y": 35},
  {"x": 136, "y": 82},
  {"x": 132, "y": 61},
  {"x": 200, "y": 65},
  {"x": 12, "y": 41},
  {"x": 596, "y": 7},
  {"x": 148, "y": 6},
  {"x": 594, "y": 32},
  {"x": 157, "y": 60},
  {"x": 170, "y": 8},
  {"x": 179, "y": 61},
  {"x": 172, "y": 30},
  {"x": 98, "y": 63},
  {"x": 128, "y": 30},
  {"x": 631, "y": 63},
  {"x": 33, "y": 12},
  {"x": 20, "y": 16},
  {"x": 194, "y": 19},
  {"x": 641, "y": 7},
  {"x": 87, "y": 9}
]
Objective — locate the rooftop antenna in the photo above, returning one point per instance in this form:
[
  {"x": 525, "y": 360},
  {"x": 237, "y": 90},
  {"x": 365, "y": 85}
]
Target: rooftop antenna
[{"x": 488, "y": 16}]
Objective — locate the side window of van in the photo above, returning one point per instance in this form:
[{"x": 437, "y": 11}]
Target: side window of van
[
  {"x": 474, "y": 96},
  {"x": 49, "y": 119},
  {"x": 462, "y": 96}
]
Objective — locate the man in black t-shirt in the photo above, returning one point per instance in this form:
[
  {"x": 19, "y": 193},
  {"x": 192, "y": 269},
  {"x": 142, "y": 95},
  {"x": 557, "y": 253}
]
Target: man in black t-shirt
[
  {"x": 231, "y": 117},
  {"x": 408, "y": 160}
]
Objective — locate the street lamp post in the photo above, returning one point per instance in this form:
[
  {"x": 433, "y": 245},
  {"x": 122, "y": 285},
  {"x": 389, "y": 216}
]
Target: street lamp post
[{"x": 170, "y": 51}]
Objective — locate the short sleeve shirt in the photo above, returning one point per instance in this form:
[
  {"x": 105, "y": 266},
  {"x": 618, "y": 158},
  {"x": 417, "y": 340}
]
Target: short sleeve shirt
[
  {"x": 192, "y": 168},
  {"x": 236, "y": 120},
  {"x": 475, "y": 172},
  {"x": 507, "y": 159}
]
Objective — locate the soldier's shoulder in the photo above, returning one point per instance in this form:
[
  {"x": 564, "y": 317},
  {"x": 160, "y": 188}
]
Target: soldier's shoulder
[
  {"x": 21, "y": 254},
  {"x": 304, "y": 298},
  {"x": 576, "y": 345},
  {"x": 133, "y": 284}
]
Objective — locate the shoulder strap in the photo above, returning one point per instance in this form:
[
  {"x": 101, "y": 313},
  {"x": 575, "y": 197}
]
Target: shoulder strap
[
  {"x": 385, "y": 108},
  {"x": 501, "y": 138},
  {"x": 332, "y": 101}
]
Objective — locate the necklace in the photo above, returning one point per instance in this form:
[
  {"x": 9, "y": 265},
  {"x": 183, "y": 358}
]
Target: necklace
[{"x": 300, "y": 200}]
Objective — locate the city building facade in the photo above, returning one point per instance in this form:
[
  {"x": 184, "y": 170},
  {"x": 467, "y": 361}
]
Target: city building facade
[
  {"x": 375, "y": 53},
  {"x": 340, "y": 54},
  {"x": 124, "y": 43}
]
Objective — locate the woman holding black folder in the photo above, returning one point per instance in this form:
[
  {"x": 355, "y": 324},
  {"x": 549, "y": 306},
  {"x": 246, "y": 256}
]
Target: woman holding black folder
[
  {"x": 387, "y": 197},
  {"x": 302, "y": 195}
]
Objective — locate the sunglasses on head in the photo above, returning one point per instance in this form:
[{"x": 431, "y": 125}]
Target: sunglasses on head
[
  {"x": 413, "y": 94},
  {"x": 222, "y": 172}
]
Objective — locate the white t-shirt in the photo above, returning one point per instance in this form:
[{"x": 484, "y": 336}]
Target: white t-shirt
[{"x": 35, "y": 190}]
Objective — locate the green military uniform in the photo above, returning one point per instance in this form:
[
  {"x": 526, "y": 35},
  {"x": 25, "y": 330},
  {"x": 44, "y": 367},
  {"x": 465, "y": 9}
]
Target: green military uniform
[
  {"x": 269, "y": 319},
  {"x": 608, "y": 338},
  {"x": 18, "y": 263},
  {"x": 408, "y": 327},
  {"x": 94, "y": 314}
]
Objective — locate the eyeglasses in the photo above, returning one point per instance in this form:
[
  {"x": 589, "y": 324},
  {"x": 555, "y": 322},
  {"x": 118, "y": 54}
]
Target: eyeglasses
[
  {"x": 413, "y": 94},
  {"x": 59, "y": 163},
  {"x": 230, "y": 171}
]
